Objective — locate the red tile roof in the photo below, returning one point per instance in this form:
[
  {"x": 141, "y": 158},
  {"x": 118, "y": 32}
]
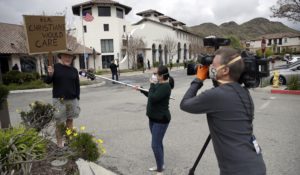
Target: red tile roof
[{"x": 12, "y": 39}]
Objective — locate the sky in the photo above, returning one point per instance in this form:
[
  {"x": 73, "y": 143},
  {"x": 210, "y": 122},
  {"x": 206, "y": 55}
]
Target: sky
[{"x": 190, "y": 12}]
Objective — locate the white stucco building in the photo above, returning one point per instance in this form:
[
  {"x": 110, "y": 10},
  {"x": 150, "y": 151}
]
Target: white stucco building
[
  {"x": 109, "y": 34},
  {"x": 279, "y": 42}
]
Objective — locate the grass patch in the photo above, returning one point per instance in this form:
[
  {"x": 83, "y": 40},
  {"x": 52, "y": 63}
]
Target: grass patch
[{"x": 101, "y": 72}]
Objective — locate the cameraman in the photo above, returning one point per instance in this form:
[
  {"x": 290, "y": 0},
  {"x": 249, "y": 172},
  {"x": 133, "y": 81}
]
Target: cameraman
[{"x": 230, "y": 113}]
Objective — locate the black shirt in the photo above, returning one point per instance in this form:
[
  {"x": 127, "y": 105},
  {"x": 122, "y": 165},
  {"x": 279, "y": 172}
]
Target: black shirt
[
  {"x": 65, "y": 81},
  {"x": 229, "y": 110},
  {"x": 113, "y": 67}
]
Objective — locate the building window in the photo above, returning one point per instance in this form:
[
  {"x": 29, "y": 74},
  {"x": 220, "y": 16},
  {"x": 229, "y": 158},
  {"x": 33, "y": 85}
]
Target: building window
[
  {"x": 124, "y": 28},
  {"x": 107, "y": 46},
  {"x": 269, "y": 42},
  {"x": 280, "y": 41},
  {"x": 120, "y": 13},
  {"x": 104, "y": 11},
  {"x": 285, "y": 40},
  {"x": 84, "y": 29},
  {"x": 106, "y": 27},
  {"x": 87, "y": 10}
]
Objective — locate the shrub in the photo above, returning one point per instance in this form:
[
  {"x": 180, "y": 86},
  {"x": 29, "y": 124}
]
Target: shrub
[
  {"x": 13, "y": 76},
  {"x": 18, "y": 145},
  {"x": 293, "y": 83},
  {"x": 18, "y": 77},
  {"x": 39, "y": 116},
  {"x": 28, "y": 85},
  {"x": 83, "y": 145},
  {"x": 156, "y": 64}
]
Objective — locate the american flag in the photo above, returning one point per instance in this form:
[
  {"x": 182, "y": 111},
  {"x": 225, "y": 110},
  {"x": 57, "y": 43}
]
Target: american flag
[{"x": 88, "y": 17}]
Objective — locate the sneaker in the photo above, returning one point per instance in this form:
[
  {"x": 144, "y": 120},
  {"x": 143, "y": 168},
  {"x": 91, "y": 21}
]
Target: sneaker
[
  {"x": 160, "y": 173},
  {"x": 155, "y": 168}
]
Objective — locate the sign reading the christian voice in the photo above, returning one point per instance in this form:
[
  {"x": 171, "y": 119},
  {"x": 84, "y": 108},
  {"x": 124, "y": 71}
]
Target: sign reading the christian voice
[{"x": 45, "y": 33}]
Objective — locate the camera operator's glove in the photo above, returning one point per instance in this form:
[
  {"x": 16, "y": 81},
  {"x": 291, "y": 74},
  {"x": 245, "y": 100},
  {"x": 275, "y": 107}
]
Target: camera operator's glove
[{"x": 202, "y": 72}]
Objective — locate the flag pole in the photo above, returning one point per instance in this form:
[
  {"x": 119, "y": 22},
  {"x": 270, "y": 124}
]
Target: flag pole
[{"x": 83, "y": 38}]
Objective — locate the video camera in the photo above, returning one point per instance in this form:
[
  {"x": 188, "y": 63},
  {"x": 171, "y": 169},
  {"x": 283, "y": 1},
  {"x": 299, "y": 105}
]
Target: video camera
[
  {"x": 88, "y": 74},
  {"x": 255, "y": 67}
]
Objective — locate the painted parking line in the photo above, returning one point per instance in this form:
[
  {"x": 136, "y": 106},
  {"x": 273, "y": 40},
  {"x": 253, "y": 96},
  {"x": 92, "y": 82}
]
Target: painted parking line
[{"x": 267, "y": 103}]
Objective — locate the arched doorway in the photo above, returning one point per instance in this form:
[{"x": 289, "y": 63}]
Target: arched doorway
[
  {"x": 178, "y": 52},
  {"x": 184, "y": 52},
  {"x": 160, "y": 55},
  {"x": 153, "y": 54},
  {"x": 190, "y": 51},
  {"x": 166, "y": 55}
]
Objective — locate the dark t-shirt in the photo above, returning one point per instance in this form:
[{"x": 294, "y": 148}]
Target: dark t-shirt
[
  {"x": 65, "y": 81},
  {"x": 229, "y": 110}
]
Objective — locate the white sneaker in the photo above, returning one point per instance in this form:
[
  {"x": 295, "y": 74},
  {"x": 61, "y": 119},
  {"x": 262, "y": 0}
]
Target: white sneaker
[
  {"x": 155, "y": 168},
  {"x": 160, "y": 173}
]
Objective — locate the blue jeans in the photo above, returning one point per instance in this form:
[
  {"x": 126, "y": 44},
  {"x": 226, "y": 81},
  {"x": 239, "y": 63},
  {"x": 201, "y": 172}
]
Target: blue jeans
[{"x": 158, "y": 131}]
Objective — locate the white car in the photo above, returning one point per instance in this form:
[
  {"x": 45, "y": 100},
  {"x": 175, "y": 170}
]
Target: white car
[
  {"x": 286, "y": 73},
  {"x": 294, "y": 59}
]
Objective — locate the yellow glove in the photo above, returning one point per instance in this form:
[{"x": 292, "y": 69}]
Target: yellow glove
[{"x": 202, "y": 72}]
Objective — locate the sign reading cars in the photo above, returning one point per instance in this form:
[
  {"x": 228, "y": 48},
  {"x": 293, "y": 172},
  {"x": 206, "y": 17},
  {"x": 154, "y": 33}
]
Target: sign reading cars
[{"x": 45, "y": 33}]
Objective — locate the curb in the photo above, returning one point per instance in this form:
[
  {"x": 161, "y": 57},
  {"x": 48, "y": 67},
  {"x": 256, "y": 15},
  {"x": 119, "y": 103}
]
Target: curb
[
  {"x": 49, "y": 89},
  {"x": 290, "y": 92}
]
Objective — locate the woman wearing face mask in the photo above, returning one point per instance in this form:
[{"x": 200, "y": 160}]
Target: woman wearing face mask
[{"x": 158, "y": 112}]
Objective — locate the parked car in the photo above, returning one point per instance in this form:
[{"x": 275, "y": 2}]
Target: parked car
[
  {"x": 294, "y": 58},
  {"x": 285, "y": 66},
  {"x": 285, "y": 74}
]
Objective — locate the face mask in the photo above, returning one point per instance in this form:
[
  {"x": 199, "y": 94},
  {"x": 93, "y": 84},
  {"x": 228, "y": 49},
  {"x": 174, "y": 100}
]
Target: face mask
[{"x": 154, "y": 78}]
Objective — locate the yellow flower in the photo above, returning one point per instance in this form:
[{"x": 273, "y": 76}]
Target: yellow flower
[
  {"x": 82, "y": 128},
  {"x": 103, "y": 151},
  {"x": 68, "y": 132},
  {"x": 75, "y": 134},
  {"x": 100, "y": 141}
]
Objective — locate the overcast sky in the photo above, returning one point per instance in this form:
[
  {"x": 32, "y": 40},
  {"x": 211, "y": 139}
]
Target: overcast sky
[{"x": 191, "y": 12}]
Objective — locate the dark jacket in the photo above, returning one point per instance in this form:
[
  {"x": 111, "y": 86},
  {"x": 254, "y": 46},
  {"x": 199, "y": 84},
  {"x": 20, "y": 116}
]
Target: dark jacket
[
  {"x": 230, "y": 112},
  {"x": 158, "y": 102},
  {"x": 114, "y": 68},
  {"x": 65, "y": 81}
]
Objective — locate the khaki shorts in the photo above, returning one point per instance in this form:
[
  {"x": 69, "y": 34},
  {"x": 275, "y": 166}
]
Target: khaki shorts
[{"x": 65, "y": 109}]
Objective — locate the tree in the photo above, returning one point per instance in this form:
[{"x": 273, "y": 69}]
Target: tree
[
  {"x": 171, "y": 45},
  {"x": 289, "y": 9},
  {"x": 235, "y": 42},
  {"x": 134, "y": 45},
  {"x": 196, "y": 47},
  {"x": 268, "y": 53}
]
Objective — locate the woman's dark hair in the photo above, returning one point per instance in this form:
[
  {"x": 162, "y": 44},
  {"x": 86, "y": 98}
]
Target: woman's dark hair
[{"x": 163, "y": 71}]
